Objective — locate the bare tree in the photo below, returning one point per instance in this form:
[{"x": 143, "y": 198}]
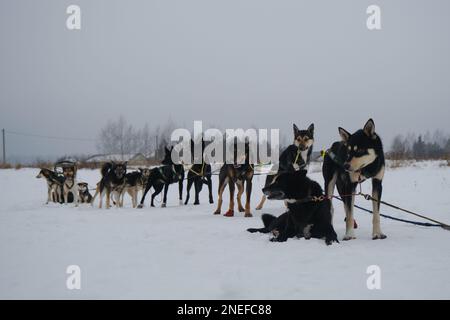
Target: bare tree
[
  {"x": 117, "y": 137},
  {"x": 399, "y": 148}
]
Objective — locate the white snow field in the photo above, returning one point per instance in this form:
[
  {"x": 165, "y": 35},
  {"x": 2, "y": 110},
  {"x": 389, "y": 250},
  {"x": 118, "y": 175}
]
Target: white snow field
[{"x": 186, "y": 252}]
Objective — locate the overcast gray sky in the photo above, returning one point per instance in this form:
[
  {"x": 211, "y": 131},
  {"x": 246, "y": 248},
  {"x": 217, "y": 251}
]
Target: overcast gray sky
[{"x": 233, "y": 63}]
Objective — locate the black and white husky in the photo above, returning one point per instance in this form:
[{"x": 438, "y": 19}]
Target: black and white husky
[
  {"x": 54, "y": 185},
  {"x": 359, "y": 156},
  {"x": 112, "y": 181},
  {"x": 295, "y": 157},
  {"x": 134, "y": 182}
]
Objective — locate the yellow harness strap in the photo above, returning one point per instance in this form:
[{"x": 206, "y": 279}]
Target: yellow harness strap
[{"x": 199, "y": 173}]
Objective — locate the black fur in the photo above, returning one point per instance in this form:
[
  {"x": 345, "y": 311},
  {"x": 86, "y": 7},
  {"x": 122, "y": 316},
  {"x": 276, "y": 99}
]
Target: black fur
[
  {"x": 113, "y": 177},
  {"x": 162, "y": 177},
  {"x": 199, "y": 174},
  {"x": 303, "y": 218},
  {"x": 338, "y": 170},
  {"x": 291, "y": 159}
]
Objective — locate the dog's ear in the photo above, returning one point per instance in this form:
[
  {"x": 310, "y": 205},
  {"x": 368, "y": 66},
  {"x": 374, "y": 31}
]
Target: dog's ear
[
  {"x": 140, "y": 169},
  {"x": 345, "y": 135},
  {"x": 295, "y": 130},
  {"x": 167, "y": 150},
  {"x": 125, "y": 163},
  {"x": 311, "y": 129},
  {"x": 369, "y": 128}
]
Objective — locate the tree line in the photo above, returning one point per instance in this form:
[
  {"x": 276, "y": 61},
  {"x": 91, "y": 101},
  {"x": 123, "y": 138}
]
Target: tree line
[
  {"x": 426, "y": 146},
  {"x": 120, "y": 137}
]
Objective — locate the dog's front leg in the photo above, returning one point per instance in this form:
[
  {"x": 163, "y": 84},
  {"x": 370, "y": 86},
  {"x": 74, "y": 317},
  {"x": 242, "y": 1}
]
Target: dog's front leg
[
  {"x": 108, "y": 198},
  {"x": 377, "y": 189},
  {"x": 283, "y": 232},
  {"x": 180, "y": 191},
  {"x": 230, "y": 211},
  {"x": 240, "y": 187},
  {"x": 197, "y": 188},
  {"x": 49, "y": 195},
  {"x": 66, "y": 196},
  {"x": 349, "y": 226},
  {"x": 209, "y": 183},
  {"x": 248, "y": 193},
  {"x": 222, "y": 184},
  {"x": 349, "y": 201},
  {"x": 166, "y": 188},
  {"x": 75, "y": 197},
  {"x": 188, "y": 188}
]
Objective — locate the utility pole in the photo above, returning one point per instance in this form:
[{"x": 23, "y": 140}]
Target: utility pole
[{"x": 4, "y": 146}]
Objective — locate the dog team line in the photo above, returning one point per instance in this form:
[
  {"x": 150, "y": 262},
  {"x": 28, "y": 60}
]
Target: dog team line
[{"x": 356, "y": 157}]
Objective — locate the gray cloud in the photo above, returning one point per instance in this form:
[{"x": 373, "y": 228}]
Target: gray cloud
[{"x": 234, "y": 63}]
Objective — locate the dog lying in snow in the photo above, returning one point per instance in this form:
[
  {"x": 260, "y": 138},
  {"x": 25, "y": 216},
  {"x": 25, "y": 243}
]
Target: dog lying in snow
[{"x": 305, "y": 217}]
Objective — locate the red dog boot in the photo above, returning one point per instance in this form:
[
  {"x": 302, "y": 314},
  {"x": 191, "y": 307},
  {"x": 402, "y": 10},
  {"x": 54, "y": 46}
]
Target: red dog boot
[{"x": 229, "y": 213}]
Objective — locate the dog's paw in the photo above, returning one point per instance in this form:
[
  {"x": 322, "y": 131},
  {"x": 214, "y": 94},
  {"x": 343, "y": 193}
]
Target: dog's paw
[
  {"x": 196, "y": 203},
  {"x": 229, "y": 213},
  {"x": 163, "y": 205},
  {"x": 258, "y": 208},
  {"x": 216, "y": 212},
  {"x": 329, "y": 241},
  {"x": 278, "y": 239},
  {"x": 349, "y": 237},
  {"x": 252, "y": 230},
  {"x": 241, "y": 209},
  {"x": 379, "y": 235},
  {"x": 248, "y": 215},
  {"x": 211, "y": 201},
  {"x": 140, "y": 206}
]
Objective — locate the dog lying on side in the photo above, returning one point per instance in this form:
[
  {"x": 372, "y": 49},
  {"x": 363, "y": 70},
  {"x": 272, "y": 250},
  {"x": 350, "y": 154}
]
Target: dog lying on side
[
  {"x": 113, "y": 177},
  {"x": 295, "y": 157},
  {"x": 84, "y": 196},
  {"x": 54, "y": 185},
  {"x": 305, "y": 217},
  {"x": 359, "y": 156}
]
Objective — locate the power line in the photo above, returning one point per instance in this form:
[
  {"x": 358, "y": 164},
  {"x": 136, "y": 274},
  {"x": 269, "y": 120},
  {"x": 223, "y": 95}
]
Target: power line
[{"x": 50, "y": 137}]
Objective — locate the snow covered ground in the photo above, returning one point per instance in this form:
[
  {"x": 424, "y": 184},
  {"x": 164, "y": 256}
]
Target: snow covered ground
[{"x": 185, "y": 252}]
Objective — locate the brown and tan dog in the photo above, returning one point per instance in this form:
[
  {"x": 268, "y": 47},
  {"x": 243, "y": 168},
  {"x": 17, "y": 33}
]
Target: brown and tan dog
[{"x": 241, "y": 175}]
